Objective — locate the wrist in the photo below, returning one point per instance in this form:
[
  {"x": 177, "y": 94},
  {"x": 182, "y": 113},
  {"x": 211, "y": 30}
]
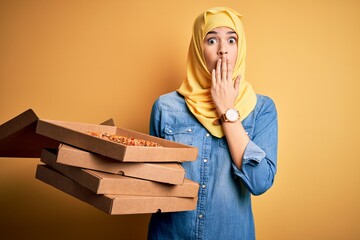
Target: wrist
[
  {"x": 223, "y": 110},
  {"x": 230, "y": 115}
]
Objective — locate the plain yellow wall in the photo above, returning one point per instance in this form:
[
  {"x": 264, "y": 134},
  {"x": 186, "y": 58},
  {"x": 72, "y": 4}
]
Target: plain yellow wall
[{"x": 89, "y": 60}]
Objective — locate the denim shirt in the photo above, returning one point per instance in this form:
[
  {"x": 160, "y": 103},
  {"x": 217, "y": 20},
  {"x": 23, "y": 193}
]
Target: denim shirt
[{"x": 224, "y": 199}]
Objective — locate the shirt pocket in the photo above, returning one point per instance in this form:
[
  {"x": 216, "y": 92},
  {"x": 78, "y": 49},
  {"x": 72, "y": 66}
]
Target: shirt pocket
[
  {"x": 248, "y": 130},
  {"x": 182, "y": 134}
]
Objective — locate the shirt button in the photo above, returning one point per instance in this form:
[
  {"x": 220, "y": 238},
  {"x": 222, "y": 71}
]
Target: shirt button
[
  {"x": 201, "y": 216},
  {"x": 170, "y": 131},
  {"x": 205, "y": 160},
  {"x": 203, "y": 186},
  {"x": 189, "y": 130},
  {"x": 207, "y": 135}
]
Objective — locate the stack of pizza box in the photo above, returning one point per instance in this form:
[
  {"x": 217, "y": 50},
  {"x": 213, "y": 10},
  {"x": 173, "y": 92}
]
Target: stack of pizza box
[{"x": 113, "y": 177}]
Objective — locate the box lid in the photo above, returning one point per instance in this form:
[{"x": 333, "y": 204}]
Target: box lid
[{"x": 18, "y": 137}]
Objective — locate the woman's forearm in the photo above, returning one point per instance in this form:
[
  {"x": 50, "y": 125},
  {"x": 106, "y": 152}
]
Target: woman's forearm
[{"x": 237, "y": 139}]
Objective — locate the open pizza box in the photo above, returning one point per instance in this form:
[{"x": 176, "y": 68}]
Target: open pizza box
[
  {"x": 76, "y": 135},
  {"x": 18, "y": 138},
  {"x": 115, "y": 204},
  {"x": 26, "y": 135},
  {"x": 107, "y": 183}
]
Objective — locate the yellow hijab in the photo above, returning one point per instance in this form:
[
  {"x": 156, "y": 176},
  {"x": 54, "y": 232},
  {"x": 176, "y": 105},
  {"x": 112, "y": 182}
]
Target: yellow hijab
[{"x": 197, "y": 85}]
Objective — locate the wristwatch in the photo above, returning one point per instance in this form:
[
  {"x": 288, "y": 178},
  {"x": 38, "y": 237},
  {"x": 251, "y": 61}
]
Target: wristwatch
[{"x": 230, "y": 115}]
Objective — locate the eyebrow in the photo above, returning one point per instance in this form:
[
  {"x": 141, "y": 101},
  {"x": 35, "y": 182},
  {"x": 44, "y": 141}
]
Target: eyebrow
[{"x": 214, "y": 32}]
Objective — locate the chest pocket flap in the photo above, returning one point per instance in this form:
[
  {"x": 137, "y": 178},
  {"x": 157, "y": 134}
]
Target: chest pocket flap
[{"x": 182, "y": 134}]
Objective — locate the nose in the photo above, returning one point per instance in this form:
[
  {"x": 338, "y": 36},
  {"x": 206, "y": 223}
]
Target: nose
[
  {"x": 222, "y": 50},
  {"x": 221, "y": 53}
]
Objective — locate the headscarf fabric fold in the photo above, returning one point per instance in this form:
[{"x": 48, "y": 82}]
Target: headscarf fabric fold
[{"x": 197, "y": 85}]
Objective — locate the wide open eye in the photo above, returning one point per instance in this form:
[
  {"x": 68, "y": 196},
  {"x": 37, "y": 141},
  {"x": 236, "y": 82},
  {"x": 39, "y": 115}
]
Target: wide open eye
[
  {"x": 211, "y": 41},
  {"x": 232, "y": 40}
]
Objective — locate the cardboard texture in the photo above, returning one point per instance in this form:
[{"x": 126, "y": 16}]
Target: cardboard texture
[
  {"x": 106, "y": 183},
  {"x": 114, "y": 204},
  {"x": 18, "y": 137},
  {"x": 172, "y": 173},
  {"x": 118, "y": 187},
  {"x": 75, "y": 134}
]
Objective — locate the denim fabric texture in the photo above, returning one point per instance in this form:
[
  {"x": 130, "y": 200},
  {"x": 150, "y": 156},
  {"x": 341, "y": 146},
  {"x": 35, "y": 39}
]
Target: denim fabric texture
[{"x": 224, "y": 200}]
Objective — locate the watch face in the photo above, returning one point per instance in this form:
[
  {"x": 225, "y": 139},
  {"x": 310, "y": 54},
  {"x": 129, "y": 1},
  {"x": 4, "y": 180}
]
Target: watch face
[{"x": 232, "y": 115}]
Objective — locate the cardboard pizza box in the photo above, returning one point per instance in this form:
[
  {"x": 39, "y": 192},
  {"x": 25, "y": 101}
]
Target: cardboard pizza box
[
  {"x": 75, "y": 134},
  {"x": 115, "y": 204},
  {"x": 107, "y": 183},
  {"x": 172, "y": 173},
  {"x": 19, "y": 139}
]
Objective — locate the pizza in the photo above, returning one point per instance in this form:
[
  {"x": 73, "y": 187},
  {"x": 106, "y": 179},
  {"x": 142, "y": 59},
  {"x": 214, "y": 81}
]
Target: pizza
[{"x": 128, "y": 141}]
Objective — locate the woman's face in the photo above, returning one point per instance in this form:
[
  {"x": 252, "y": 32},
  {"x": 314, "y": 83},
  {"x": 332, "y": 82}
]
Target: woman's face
[{"x": 218, "y": 43}]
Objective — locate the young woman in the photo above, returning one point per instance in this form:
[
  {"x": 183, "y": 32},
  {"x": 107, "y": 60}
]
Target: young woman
[{"x": 235, "y": 130}]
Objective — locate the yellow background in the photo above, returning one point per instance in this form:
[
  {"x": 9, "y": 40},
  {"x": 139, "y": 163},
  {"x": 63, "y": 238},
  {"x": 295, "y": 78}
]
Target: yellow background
[{"x": 88, "y": 61}]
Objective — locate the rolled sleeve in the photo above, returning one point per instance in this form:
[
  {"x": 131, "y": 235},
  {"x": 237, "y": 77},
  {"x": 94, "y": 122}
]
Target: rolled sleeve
[
  {"x": 255, "y": 171},
  {"x": 253, "y": 154}
]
